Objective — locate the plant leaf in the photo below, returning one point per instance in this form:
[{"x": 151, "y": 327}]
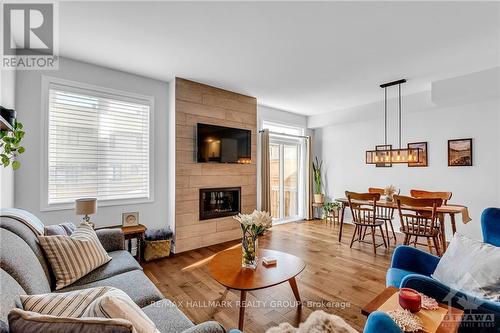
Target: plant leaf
[{"x": 16, "y": 165}]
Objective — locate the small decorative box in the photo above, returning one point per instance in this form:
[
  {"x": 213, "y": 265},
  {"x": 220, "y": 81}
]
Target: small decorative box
[{"x": 268, "y": 261}]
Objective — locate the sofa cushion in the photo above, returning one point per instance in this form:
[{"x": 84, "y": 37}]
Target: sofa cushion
[
  {"x": 71, "y": 304},
  {"x": 122, "y": 262},
  {"x": 61, "y": 229},
  {"x": 134, "y": 283},
  {"x": 72, "y": 257},
  {"x": 167, "y": 317},
  {"x": 24, "y": 217},
  {"x": 27, "y": 234},
  {"x": 116, "y": 304},
  {"x": 471, "y": 266},
  {"x": 9, "y": 291},
  {"x": 21, "y": 321},
  {"x": 394, "y": 276},
  {"x": 20, "y": 262}
]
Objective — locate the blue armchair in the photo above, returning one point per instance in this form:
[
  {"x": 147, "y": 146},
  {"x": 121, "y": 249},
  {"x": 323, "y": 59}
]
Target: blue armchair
[
  {"x": 380, "y": 322},
  {"x": 412, "y": 268},
  {"x": 490, "y": 224}
]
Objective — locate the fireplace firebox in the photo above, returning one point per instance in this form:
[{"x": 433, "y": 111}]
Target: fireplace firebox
[{"x": 219, "y": 202}]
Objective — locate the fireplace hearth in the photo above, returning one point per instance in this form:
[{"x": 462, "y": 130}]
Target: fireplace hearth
[{"x": 219, "y": 202}]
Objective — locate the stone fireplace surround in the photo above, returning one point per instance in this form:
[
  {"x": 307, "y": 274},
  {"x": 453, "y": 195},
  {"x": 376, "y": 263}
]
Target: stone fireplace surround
[{"x": 199, "y": 103}]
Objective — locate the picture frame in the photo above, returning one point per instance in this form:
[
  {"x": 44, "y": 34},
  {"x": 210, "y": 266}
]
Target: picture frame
[
  {"x": 460, "y": 152},
  {"x": 383, "y": 165},
  {"x": 422, "y": 145},
  {"x": 130, "y": 219}
]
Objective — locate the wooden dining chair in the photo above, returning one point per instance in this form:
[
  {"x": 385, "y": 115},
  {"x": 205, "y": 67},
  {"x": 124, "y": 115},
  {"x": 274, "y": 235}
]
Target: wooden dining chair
[
  {"x": 418, "y": 221},
  {"x": 385, "y": 214},
  {"x": 445, "y": 196},
  {"x": 364, "y": 210}
]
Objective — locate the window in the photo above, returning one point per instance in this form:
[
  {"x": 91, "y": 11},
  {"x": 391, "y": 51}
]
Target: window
[
  {"x": 98, "y": 144},
  {"x": 287, "y": 163}
]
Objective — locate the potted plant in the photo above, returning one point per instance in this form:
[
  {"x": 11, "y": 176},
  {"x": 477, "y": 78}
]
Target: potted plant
[
  {"x": 329, "y": 207},
  {"x": 319, "y": 197},
  {"x": 10, "y": 145}
]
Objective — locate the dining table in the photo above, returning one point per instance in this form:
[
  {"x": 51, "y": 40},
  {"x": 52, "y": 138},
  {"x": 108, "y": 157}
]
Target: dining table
[{"x": 449, "y": 209}]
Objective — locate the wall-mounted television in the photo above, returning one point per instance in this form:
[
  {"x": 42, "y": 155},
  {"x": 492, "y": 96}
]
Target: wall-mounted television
[{"x": 219, "y": 144}]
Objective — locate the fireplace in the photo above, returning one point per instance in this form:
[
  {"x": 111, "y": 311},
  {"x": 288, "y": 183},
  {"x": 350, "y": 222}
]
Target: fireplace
[{"x": 219, "y": 202}]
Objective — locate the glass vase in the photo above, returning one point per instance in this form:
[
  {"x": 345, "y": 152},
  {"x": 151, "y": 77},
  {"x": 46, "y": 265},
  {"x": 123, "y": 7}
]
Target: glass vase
[{"x": 249, "y": 245}]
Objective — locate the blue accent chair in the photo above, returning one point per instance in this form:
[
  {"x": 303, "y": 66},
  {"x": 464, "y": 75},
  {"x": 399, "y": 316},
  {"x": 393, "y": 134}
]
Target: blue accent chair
[
  {"x": 490, "y": 224},
  {"x": 412, "y": 268},
  {"x": 380, "y": 322}
]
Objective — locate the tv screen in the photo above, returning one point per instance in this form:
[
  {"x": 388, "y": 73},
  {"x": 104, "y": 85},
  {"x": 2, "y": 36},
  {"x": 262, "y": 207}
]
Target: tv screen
[{"x": 220, "y": 144}]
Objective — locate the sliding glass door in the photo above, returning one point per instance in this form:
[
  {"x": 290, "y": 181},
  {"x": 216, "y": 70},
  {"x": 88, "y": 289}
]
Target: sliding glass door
[{"x": 285, "y": 178}]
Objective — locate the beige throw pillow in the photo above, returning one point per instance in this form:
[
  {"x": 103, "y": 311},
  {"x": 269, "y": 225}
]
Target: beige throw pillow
[
  {"x": 71, "y": 304},
  {"x": 117, "y": 304},
  {"x": 21, "y": 321},
  {"x": 72, "y": 257}
]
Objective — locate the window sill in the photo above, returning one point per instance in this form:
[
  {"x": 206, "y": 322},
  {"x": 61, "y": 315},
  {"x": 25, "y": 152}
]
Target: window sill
[{"x": 105, "y": 203}]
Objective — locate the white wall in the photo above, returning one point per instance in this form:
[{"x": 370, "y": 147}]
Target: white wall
[
  {"x": 266, "y": 113},
  {"x": 342, "y": 146},
  {"x": 27, "y": 178},
  {"x": 7, "y": 100}
]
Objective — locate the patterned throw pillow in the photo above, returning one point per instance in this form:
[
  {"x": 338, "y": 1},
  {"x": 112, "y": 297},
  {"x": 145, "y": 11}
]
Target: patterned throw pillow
[
  {"x": 72, "y": 257},
  {"x": 117, "y": 304},
  {"x": 100, "y": 302},
  {"x": 71, "y": 304},
  {"x": 21, "y": 321}
]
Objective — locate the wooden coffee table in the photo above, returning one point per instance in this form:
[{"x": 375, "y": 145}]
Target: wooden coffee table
[
  {"x": 444, "y": 327},
  {"x": 225, "y": 268}
]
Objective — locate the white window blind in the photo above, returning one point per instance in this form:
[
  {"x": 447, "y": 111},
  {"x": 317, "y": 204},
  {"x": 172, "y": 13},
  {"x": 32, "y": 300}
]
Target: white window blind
[{"x": 98, "y": 145}]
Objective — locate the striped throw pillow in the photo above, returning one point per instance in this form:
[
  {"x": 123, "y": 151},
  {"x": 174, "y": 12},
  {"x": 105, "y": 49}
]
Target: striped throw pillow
[
  {"x": 116, "y": 304},
  {"x": 71, "y": 304},
  {"x": 72, "y": 257}
]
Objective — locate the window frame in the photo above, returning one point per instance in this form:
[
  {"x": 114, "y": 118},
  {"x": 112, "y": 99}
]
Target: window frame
[{"x": 44, "y": 157}]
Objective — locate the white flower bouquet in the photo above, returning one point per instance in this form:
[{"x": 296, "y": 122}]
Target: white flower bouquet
[{"x": 253, "y": 225}]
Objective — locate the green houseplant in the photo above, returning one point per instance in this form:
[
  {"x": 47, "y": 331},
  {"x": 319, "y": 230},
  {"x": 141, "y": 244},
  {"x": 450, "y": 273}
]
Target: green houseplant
[
  {"x": 319, "y": 197},
  {"x": 328, "y": 207},
  {"x": 10, "y": 145}
]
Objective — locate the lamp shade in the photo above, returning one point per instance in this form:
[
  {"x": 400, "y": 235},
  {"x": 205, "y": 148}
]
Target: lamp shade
[{"x": 85, "y": 206}]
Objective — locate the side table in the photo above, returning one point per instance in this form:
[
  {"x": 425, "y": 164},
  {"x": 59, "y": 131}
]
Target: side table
[
  {"x": 449, "y": 324},
  {"x": 135, "y": 232}
]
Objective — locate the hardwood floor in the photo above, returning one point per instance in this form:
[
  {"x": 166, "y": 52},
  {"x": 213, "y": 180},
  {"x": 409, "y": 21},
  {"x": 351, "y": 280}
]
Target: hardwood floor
[{"x": 337, "y": 279}]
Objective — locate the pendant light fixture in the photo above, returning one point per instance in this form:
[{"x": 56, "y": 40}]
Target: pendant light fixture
[{"x": 399, "y": 155}]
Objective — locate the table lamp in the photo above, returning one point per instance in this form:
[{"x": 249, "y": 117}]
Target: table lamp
[{"x": 86, "y": 206}]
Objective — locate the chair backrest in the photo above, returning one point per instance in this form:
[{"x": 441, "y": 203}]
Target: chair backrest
[
  {"x": 415, "y": 215},
  {"x": 490, "y": 225},
  {"x": 383, "y": 212},
  {"x": 378, "y": 190},
  {"x": 363, "y": 206},
  {"x": 445, "y": 196}
]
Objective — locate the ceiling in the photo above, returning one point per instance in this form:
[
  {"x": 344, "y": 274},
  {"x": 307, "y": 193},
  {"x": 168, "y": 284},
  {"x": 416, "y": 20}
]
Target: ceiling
[{"x": 307, "y": 58}]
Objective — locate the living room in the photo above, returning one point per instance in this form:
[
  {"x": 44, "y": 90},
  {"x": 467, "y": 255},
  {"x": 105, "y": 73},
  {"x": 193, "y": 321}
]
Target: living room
[{"x": 250, "y": 166}]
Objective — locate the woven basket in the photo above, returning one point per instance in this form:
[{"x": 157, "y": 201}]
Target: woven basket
[{"x": 156, "y": 249}]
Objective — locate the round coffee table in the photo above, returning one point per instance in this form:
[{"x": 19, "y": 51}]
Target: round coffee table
[{"x": 225, "y": 268}]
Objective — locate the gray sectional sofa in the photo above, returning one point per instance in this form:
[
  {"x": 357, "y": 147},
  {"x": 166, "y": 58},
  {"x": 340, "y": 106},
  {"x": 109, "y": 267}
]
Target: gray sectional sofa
[{"x": 24, "y": 270}]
